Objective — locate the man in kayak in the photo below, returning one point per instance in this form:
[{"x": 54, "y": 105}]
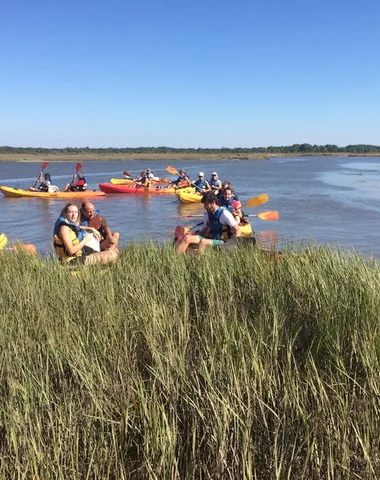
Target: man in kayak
[
  {"x": 90, "y": 217},
  {"x": 218, "y": 225},
  {"x": 182, "y": 181},
  {"x": 78, "y": 184},
  {"x": 201, "y": 185}
]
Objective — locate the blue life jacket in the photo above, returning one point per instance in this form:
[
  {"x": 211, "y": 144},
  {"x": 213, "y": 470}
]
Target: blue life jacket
[
  {"x": 76, "y": 228},
  {"x": 228, "y": 203},
  {"x": 200, "y": 185},
  {"x": 218, "y": 230},
  {"x": 214, "y": 182}
]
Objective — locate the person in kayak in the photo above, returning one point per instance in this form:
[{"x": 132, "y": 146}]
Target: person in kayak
[
  {"x": 201, "y": 185},
  {"x": 45, "y": 184},
  {"x": 218, "y": 226},
  {"x": 90, "y": 217},
  {"x": 143, "y": 179},
  {"x": 215, "y": 183},
  {"x": 231, "y": 204},
  {"x": 182, "y": 181},
  {"x": 70, "y": 239},
  {"x": 149, "y": 174},
  {"x": 78, "y": 184},
  {"x": 227, "y": 184}
]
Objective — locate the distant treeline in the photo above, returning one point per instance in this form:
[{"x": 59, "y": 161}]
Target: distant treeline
[{"x": 296, "y": 148}]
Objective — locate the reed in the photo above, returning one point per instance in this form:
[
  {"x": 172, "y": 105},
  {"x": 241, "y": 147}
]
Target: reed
[{"x": 235, "y": 365}]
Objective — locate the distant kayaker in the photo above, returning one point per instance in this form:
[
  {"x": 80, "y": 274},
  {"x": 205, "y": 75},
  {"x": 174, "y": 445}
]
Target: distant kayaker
[
  {"x": 127, "y": 175},
  {"x": 215, "y": 183},
  {"x": 218, "y": 226},
  {"x": 231, "y": 204},
  {"x": 91, "y": 217},
  {"x": 71, "y": 240},
  {"x": 149, "y": 174},
  {"x": 183, "y": 180},
  {"x": 78, "y": 184},
  {"x": 143, "y": 179},
  {"x": 45, "y": 183},
  {"x": 201, "y": 185}
]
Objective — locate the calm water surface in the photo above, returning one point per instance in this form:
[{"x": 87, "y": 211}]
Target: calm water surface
[{"x": 333, "y": 200}]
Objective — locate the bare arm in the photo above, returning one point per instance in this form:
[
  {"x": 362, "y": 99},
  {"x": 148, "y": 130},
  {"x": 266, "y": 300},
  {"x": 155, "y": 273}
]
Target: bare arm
[{"x": 65, "y": 233}]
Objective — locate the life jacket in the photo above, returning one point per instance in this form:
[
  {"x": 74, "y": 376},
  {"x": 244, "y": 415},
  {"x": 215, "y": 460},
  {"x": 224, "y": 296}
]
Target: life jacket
[
  {"x": 218, "y": 231},
  {"x": 214, "y": 182},
  {"x": 76, "y": 234},
  {"x": 228, "y": 204},
  {"x": 79, "y": 186},
  {"x": 182, "y": 181},
  {"x": 94, "y": 222},
  {"x": 200, "y": 185}
]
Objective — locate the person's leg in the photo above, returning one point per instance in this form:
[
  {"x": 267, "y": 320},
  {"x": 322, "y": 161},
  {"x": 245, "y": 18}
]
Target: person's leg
[
  {"x": 183, "y": 243},
  {"x": 67, "y": 188},
  {"x": 110, "y": 242},
  {"x": 109, "y": 256}
]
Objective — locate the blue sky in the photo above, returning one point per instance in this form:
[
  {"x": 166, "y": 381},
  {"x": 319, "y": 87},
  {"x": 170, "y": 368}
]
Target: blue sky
[{"x": 181, "y": 73}]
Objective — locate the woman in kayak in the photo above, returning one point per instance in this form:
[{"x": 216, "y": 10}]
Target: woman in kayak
[
  {"x": 231, "y": 204},
  {"x": 70, "y": 239}
]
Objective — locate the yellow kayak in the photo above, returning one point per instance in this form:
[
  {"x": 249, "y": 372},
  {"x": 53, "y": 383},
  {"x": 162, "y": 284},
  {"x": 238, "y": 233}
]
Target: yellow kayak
[
  {"x": 188, "y": 195},
  {"x": 246, "y": 229}
]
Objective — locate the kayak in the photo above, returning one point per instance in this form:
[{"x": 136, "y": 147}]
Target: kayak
[
  {"x": 186, "y": 195},
  {"x": 129, "y": 181},
  {"x": 135, "y": 189},
  {"x": 3, "y": 240},
  {"x": 18, "y": 192},
  {"x": 246, "y": 230}
]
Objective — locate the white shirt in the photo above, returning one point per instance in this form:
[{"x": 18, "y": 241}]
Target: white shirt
[{"x": 225, "y": 218}]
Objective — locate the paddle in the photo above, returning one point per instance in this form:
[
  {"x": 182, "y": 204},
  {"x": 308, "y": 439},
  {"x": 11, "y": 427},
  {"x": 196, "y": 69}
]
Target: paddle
[
  {"x": 3, "y": 240},
  {"x": 256, "y": 201},
  {"x": 43, "y": 166},
  {"x": 272, "y": 215}
]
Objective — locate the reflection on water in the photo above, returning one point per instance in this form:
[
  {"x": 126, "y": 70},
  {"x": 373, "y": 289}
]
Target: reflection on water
[{"x": 327, "y": 200}]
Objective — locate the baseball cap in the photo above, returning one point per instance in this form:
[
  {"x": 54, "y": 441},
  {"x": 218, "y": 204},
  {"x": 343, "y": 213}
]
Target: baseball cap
[
  {"x": 201, "y": 174},
  {"x": 214, "y": 173}
]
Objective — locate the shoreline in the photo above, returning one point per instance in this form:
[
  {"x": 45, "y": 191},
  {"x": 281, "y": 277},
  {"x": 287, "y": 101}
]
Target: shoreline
[{"x": 96, "y": 157}]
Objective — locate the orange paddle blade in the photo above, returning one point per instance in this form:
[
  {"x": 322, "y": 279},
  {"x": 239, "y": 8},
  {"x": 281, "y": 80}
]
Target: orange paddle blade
[
  {"x": 172, "y": 170},
  {"x": 44, "y": 165},
  {"x": 268, "y": 215},
  {"x": 256, "y": 201},
  {"x": 78, "y": 167}
]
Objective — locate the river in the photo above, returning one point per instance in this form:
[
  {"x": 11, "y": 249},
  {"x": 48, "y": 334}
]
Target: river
[{"x": 324, "y": 200}]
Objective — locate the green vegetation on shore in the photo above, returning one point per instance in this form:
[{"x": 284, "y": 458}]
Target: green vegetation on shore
[
  {"x": 237, "y": 366},
  {"x": 29, "y": 154},
  {"x": 303, "y": 148}
]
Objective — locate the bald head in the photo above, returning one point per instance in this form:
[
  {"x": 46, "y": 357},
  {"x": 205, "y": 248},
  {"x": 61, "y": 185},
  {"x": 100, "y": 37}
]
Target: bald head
[{"x": 88, "y": 209}]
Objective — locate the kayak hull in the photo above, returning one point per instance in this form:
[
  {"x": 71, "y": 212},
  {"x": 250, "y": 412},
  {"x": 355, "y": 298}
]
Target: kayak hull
[
  {"x": 246, "y": 230},
  {"x": 188, "y": 196},
  {"x": 18, "y": 192},
  {"x": 126, "y": 181},
  {"x": 135, "y": 189}
]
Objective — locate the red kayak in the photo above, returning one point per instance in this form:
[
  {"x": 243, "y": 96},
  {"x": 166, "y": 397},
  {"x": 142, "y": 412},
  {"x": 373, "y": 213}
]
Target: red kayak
[{"x": 134, "y": 189}]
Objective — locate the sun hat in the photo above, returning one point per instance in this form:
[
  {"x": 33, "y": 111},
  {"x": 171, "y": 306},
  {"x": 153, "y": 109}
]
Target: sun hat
[{"x": 201, "y": 174}]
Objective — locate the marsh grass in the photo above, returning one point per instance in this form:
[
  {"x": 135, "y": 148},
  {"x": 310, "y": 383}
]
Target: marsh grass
[{"x": 226, "y": 366}]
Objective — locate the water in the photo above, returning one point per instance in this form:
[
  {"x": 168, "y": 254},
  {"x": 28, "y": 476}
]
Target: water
[{"x": 334, "y": 200}]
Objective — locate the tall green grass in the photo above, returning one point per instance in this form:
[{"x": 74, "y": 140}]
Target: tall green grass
[{"x": 227, "y": 366}]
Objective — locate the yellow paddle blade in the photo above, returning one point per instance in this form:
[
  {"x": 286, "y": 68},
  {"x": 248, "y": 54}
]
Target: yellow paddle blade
[
  {"x": 256, "y": 201},
  {"x": 269, "y": 215},
  {"x": 172, "y": 170},
  {"x": 3, "y": 240}
]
